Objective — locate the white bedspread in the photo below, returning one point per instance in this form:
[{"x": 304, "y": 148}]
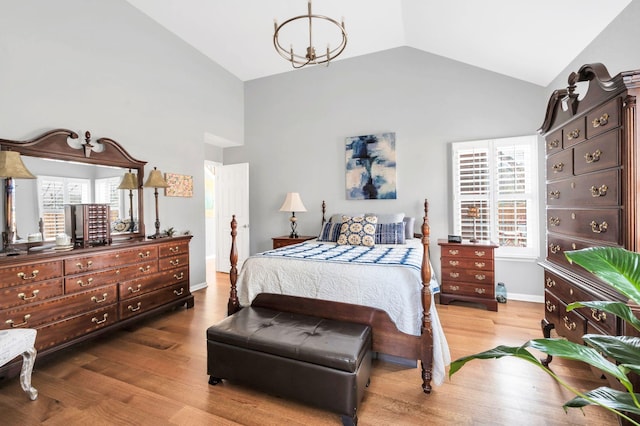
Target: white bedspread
[{"x": 367, "y": 285}]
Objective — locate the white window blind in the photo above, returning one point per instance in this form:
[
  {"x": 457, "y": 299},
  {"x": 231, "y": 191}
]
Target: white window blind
[
  {"x": 107, "y": 192},
  {"x": 499, "y": 177},
  {"x": 53, "y": 193}
]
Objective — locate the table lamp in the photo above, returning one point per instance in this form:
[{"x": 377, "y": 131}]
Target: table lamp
[
  {"x": 130, "y": 182},
  {"x": 474, "y": 213},
  {"x": 12, "y": 167},
  {"x": 293, "y": 203},
  {"x": 155, "y": 180}
]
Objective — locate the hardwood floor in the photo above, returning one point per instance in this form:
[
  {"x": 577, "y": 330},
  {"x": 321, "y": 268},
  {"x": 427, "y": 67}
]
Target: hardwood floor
[{"x": 155, "y": 374}]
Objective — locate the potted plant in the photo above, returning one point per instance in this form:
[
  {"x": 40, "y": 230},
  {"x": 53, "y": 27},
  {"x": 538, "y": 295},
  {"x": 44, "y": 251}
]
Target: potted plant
[{"x": 620, "y": 269}]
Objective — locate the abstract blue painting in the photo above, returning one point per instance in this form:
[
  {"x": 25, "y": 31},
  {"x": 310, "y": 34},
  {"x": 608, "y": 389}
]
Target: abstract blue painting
[{"x": 371, "y": 167}]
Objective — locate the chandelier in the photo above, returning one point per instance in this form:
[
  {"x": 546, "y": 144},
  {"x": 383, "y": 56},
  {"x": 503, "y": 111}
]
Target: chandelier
[{"x": 311, "y": 56}]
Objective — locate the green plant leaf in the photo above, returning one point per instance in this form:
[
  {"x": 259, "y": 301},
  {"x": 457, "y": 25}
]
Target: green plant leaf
[
  {"x": 497, "y": 352},
  {"x": 616, "y": 266},
  {"x": 616, "y": 308},
  {"x": 621, "y": 401},
  {"x": 624, "y": 349}
]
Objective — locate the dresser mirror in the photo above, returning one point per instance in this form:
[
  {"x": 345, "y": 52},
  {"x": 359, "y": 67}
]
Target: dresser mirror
[{"x": 70, "y": 170}]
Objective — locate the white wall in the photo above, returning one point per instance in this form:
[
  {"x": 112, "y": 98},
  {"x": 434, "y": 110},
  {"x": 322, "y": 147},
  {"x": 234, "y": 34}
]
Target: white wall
[
  {"x": 296, "y": 124},
  {"x": 105, "y": 67}
]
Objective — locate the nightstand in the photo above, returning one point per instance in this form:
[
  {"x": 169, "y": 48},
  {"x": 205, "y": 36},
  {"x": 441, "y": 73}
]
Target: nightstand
[
  {"x": 287, "y": 241},
  {"x": 468, "y": 273}
]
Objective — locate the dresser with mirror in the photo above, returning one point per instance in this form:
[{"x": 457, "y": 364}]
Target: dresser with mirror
[{"x": 106, "y": 273}]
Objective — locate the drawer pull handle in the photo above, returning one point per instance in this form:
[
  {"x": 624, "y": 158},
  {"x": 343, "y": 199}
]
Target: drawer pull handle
[
  {"x": 454, "y": 287},
  {"x": 178, "y": 276},
  {"x": 479, "y": 253},
  {"x": 553, "y": 144},
  {"x": 481, "y": 277},
  {"x": 454, "y": 263},
  {"x": 137, "y": 289},
  {"x": 81, "y": 267},
  {"x": 557, "y": 168},
  {"x": 454, "y": 274},
  {"x": 598, "y": 315},
  {"x": 34, "y": 294},
  {"x": 554, "y": 248},
  {"x": 178, "y": 293},
  {"x": 480, "y": 264},
  {"x": 554, "y": 221},
  {"x": 175, "y": 249},
  {"x": 599, "y": 192},
  {"x": 554, "y": 195},
  {"x": 592, "y": 158},
  {"x": 598, "y": 228},
  {"x": 175, "y": 262},
  {"x": 454, "y": 252},
  {"x": 143, "y": 255},
  {"x": 550, "y": 283},
  {"x": 550, "y": 306},
  {"x": 575, "y": 134},
  {"x": 137, "y": 308},
  {"x": 144, "y": 268},
  {"x": 83, "y": 284},
  {"x": 480, "y": 290},
  {"x": 24, "y": 276},
  {"x": 25, "y": 319},
  {"x": 95, "y": 298},
  {"x": 102, "y": 321},
  {"x": 602, "y": 121},
  {"x": 569, "y": 325}
]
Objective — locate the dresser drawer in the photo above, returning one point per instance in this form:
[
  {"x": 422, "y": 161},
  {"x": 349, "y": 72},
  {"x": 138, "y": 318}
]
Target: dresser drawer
[
  {"x": 174, "y": 248},
  {"x": 554, "y": 142},
  {"x": 110, "y": 259},
  {"x": 560, "y": 165},
  {"x": 470, "y": 252},
  {"x": 604, "y": 118},
  {"x": 552, "y": 306},
  {"x": 599, "y": 153},
  {"x": 602, "y": 224},
  {"x": 600, "y": 189},
  {"x": 557, "y": 245},
  {"x": 485, "y": 290},
  {"x": 28, "y": 273},
  {"x": 70, "y": 328},
  {"x": 30, "y": 293},
  {"x": 139, "y": 286},
  {"x": 138, "y": 305},
  {"x": 466, "y": 275},
  {"x": 58, "y": 308},
  {"x": 173, "y": 262},
  {"x": 466, "y": 263},
  {"x": 573, "y": 133},
  {"x": 571, "y": 325}
]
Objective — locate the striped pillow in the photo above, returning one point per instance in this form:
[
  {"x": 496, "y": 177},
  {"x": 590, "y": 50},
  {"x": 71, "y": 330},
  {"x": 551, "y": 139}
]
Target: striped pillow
[
  {"x": 390, "y": 233},
  {"x": 330, "y": 231}
]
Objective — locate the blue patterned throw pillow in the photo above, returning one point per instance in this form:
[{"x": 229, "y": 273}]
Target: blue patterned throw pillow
[
  {"x": 390, "y": 233},
  {"x": 358, "y": 231},
  {"x": 330, "y": 231}
]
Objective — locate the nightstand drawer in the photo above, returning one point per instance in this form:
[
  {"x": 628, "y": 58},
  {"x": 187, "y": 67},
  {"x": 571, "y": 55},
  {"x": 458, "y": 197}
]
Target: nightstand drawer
[{"x": 287, "y": 241}]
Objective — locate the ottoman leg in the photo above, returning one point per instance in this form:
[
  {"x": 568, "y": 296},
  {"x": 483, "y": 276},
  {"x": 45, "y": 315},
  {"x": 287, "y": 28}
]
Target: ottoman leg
[
  {"x": 28, "y": 359},
  {"x": 349, "y": 421},
  {"x": 214, "y": 380}
]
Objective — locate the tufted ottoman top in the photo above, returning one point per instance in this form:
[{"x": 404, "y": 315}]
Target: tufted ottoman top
[{"x": 335, "y": 344}]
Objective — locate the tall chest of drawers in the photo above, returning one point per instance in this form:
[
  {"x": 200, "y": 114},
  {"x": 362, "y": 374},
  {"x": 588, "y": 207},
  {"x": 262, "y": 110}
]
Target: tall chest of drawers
[
  {"x": 468, "y": 273},
  {"x": 73, "y": 296},
  {"x": 591, "y": 192}
]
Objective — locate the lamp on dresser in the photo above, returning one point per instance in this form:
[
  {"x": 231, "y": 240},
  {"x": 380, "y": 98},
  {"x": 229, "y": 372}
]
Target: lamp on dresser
[
  {"x": 155, "y": 180},
  {"x": 130, "y": 182},
  {"x": 11, "y": 167},
  {"x": 293, "y": 203},
  {"x": 474, "y": 213}
]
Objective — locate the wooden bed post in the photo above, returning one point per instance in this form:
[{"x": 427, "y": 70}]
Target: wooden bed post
[
  {"x": 426, "y": 349},
  {"x": 234, "y": 304},
  {"x": 324, "y": 209}
]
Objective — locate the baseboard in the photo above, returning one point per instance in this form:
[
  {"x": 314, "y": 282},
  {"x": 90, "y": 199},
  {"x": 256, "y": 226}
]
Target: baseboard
[
  {"x": 526, "y": 297},
  {"x": 196, "y": 287}
]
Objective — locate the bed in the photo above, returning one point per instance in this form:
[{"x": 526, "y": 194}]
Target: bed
[{"x": 341, "y": 281}]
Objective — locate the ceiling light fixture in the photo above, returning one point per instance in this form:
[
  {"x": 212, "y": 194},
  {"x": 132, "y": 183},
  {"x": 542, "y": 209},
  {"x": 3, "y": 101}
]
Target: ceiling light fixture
[{"x": 311, "y": 57}]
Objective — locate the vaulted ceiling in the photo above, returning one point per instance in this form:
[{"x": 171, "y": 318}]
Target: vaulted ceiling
[{"x": 528, "y": 40}]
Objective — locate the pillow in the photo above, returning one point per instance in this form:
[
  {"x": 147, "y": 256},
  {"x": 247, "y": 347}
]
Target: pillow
[
  {"x": 387, "y": 217},
  {"x": 390, "y": 233},
  {"x": 409, "y": 225},
  {"x": 330, "y": 231},
  {"x": 337, "y": 218},
  {"x": 358, "y": 231}
]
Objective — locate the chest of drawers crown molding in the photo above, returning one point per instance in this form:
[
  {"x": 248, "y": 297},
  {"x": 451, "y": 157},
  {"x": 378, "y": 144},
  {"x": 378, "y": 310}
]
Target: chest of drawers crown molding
[
  {"x": 592, "y": 175},
  {"x": 73, "y": 296}
]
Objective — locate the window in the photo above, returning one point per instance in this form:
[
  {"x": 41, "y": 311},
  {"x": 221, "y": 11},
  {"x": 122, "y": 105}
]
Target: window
[
  {"x": 107, "y": 192},
  {"x": 499, "y": 177},
  {"x": 53, "y": 193}
]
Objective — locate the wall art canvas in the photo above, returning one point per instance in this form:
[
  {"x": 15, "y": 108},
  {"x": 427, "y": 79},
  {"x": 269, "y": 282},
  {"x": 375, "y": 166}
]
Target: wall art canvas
[
  {"x": 371, "y": 167},
  {"x": 179, "y": 185}
]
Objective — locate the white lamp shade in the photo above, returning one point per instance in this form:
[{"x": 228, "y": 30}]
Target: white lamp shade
[{"x": 292, "y": 203}]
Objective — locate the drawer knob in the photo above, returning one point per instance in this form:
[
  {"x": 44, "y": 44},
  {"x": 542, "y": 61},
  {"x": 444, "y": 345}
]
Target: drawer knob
[
  {"x": 480, "y": 290},
  {"x": 175, "y": 249},
  {"x": 480, "y": 264},
  {"x": 178, "y": 293},
  {"x": 143, "y": 255},
  {"x": 550, "y": 306},
  {"x": 83, "y": 284},
  {"x": 554, "y": 248},
  {"x": 592, "y": 158},
  {"x": 554, "y": 195},
  {"x": 557, "y": 168},
  {"x": 598, "y": 315},
  {"x": 454, "y": 252},
  {"x": 481, "y": 277},
  {"x": 102, "y": 321},
  {"x": 598, "y": 228},
  {"x": 24, "y": 276},
  {"x": 479, "y": 253},
  {"x": 550, "y": 283},
  {"x": 574, "y": 134},
  {"x": 178, "y": 276},
  {"x": 81, "y": 266},
  {"x": 137, "y": 289},
  {"x": 137, "y": 307},
  {"x": 553, "y": 144},
  {"x": 602, "y": 121},
  {"x": 95, "y": 298},
  {"x": 174, "y": 262},
  {"x": 569, "y": 325},
  {"x": 25, "y": 320},
  {"x": 34, "y": 294},
  {"x": 554, "y": 221},
  {"x": 599, "y": 192}
]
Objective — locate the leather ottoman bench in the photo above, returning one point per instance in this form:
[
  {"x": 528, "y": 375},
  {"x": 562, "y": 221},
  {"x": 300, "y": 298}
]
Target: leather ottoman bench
[{"x": 321, "y": 362}]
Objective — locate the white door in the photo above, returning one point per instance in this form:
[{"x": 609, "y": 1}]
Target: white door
[{"x": 232, "y": 198}]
